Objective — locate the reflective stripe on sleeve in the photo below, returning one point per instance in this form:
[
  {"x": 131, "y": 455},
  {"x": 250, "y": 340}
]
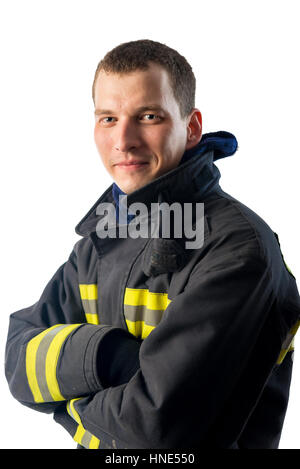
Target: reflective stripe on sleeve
[
  {"x": 144, "y": 310},
  {"x": 85, "y": 438},
  {"x": 42, "y": 355},
  {"x": 82, "y": 436},
  {"x": 89, "y": 297},
  {"x": 288, "y": 344},
  {"x": 72, "y": 411}
]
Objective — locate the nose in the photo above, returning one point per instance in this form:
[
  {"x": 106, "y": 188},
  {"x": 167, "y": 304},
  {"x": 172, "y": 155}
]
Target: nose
[{"x": 127, "y": 136}]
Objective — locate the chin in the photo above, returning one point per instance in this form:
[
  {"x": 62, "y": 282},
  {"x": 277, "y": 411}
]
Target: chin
[{"x": 129, "y": 188}]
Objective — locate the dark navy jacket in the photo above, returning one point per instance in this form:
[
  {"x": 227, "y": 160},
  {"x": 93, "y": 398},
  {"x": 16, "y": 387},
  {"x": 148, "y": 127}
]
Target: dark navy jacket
[{"x": 142, "y": 343}]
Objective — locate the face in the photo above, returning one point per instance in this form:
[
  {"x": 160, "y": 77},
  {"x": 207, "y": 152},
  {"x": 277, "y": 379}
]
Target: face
[{"x": 139, "y": 132}]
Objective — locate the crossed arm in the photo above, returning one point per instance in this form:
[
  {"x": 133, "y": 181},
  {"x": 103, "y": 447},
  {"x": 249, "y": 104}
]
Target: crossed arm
[
  {"x": 53, "y": 354},
  {"x": 105, "y": 385}
]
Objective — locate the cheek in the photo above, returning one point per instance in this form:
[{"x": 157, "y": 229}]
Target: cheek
[
  {"x": 102, "y": 145},
  {"x": 159, "y": 138},
  {"x": 97, "y": 136},
  {"x": 101, "y": 140},
  {"x": 166, "y": 144}
]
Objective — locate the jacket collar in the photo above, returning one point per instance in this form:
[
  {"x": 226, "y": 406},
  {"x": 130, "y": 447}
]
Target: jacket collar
[{"x": 194, "y": 179}]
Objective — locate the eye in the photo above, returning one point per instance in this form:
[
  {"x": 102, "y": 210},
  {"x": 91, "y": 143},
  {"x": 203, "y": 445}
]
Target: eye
[
  {"x": 150, "y": 117},
  {"x": 107, "y": 120}
]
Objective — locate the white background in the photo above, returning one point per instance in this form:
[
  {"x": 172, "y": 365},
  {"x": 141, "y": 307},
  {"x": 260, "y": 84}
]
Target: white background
[{"x": 245, "y": 55}]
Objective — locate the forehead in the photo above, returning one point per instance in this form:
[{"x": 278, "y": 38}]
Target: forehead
[{"x": 135, "y": 88}]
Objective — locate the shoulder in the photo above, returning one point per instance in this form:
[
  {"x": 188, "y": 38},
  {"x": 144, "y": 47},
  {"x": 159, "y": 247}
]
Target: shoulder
[
  {"x": 85, "y": 253},
  {"x": 237, "y": 232},
  {"x": 238, "y": 225}
]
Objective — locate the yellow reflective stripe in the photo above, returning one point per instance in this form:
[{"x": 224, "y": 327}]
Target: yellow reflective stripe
[
  {"x": 31, "y": 352},
  {"x": 42, "y": 354},
  {"x": 52, "y": 359},
  {"x": 288, "y": 343},
  {"x": 89, "y": 296},
  {"x": 295, "y": 328},
  {"x": 79, "y": 434},
  {"x": 284, "y": 351},
  {"x": 72, "y": 411},
  {"x": 143, "y": 297},
  {"x": 95, "y": 442},
  {"x": 289, "y": 270},
  {"x": 143, "y": 310},
  {"x": 134, "y": 327},
  {"x": 88, "y": 291},
  {"x": 92, "y": 318},
  {"x": 82, "y": 436},
  {"x": 292, "y": 346},
  {"x": 139, "y": 328},
  {"x": 282, "y": 355}
]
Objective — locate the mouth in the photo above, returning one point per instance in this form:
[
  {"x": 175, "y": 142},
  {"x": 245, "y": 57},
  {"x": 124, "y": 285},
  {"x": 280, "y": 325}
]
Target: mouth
[{"x": 131, "y": 165}]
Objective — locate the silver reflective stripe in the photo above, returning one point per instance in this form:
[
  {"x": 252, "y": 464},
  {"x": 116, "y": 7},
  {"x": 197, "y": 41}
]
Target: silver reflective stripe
[
  {"x": 40, "y": 365},
  {"x": 86, "y": 439},
  {"x": 89, "y": 306},
  {"x": 70, "y": 411},
  {"x": 89, "y": 297},
  {"x": 152, "y": 317}
]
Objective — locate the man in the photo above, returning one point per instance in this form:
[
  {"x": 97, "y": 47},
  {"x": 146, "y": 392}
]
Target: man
[{"x": 148, "y": 341}]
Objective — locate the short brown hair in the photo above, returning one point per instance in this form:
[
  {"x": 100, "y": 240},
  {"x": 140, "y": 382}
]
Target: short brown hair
[{"x": 136, "y": 55}]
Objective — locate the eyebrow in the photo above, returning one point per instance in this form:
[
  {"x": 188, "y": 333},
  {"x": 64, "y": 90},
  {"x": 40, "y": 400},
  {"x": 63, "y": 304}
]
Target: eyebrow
[{"x": 151, "y": 107}]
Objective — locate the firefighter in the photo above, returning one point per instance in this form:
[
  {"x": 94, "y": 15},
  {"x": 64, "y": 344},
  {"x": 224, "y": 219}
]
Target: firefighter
[{"x": 157, "y": 341}]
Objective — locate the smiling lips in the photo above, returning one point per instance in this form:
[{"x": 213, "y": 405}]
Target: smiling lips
[{"x": 131, "y": 165}]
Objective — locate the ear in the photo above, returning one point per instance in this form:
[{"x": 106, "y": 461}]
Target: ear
[{"x": 194, "y": 129}]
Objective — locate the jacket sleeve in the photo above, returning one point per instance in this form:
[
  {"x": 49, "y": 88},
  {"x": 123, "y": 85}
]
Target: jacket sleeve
[
  {"x": 216, "y": 345},
  {"x": 50, "y": 350},
  {"x": 270, "y": 411}
]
